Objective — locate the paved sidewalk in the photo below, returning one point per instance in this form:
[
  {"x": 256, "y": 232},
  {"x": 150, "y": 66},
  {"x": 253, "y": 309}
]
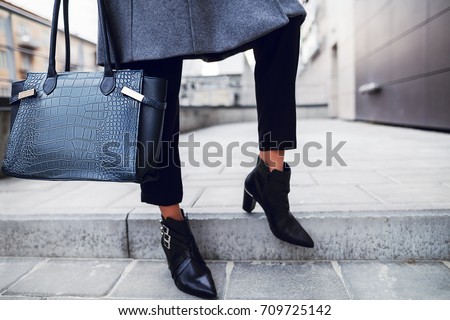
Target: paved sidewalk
[
  {"x": 388, "y": 168},
  {"x": 390, "y": 202},
  {"x": 381, "y": 224},
  {"x": 38, "y": 278}
]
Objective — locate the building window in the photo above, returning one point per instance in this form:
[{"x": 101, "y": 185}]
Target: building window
[
  {"x": 3, "y": 60},
  {"x": 45, "y": 38},
  {"x": 2, "y": 24},
  {"x": 23, "y": 30},
  {"x": 5, "y": 90},
  {"x": 81, "y": 55},
  {"x": 26, "y": 61},
  {"x": 26, "y": 64}
]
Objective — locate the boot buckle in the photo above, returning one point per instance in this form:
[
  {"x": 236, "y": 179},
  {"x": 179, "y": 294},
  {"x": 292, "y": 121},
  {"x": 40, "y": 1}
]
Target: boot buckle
[{"x": 166, "y": 236}]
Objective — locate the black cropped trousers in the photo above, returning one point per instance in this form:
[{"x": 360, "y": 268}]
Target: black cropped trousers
[{"x": 276, "y": 56}]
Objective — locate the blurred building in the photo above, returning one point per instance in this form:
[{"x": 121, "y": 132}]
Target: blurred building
[
  {"x": 385, "y": 61},
  {"x": 24, "y": 46},
  {"x": 225, "y": 83}
]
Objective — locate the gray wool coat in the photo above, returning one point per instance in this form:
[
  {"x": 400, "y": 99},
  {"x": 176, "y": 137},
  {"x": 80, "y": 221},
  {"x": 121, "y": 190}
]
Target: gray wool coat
[{"x": 157, "y": 29}]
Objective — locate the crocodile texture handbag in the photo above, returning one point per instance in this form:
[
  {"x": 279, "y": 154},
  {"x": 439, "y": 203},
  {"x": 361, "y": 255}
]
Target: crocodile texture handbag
[{"x": 85, "y": 125}]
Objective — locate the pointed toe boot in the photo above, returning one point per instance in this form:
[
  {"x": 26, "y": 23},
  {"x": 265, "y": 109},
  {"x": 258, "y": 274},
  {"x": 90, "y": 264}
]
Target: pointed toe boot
[
  {"x": 270, "y": 190},
  {"x": 188, "y": 269}
]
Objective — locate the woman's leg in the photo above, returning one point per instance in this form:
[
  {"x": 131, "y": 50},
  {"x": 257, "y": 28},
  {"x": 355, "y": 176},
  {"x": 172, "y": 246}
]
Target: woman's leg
[
  {"x": 276, "y": 57},
  {"x": 167, "y": 191},
  {"x": 185, "y": 262}
]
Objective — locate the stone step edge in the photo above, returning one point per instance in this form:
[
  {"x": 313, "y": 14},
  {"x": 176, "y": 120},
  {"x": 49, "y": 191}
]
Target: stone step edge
[{"x": 365, "y": 235}]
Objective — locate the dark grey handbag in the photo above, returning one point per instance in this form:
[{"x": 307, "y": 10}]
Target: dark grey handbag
[{"x": 85, "y": 125}]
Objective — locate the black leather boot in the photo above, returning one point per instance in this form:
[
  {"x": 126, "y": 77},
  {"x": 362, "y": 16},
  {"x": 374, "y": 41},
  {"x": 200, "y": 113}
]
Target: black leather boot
[
  {"x": 270, "y": 190},
  {"x": 189, "y": 270}
]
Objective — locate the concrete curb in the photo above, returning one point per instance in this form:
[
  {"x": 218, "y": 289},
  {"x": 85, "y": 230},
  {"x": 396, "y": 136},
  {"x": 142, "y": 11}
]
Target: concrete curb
[
  {"x": 389, "y": 235},
  {"x": 81, "y": 236}
]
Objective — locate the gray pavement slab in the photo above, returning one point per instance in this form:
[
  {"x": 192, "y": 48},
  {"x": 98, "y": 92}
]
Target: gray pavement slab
[
  {"x": 90, "y": 195},
  {"x": 152, "y": 280},
  {"x": 350, "y": 177},
  {"x": 330, "y": 194},
  {"x": 428, "y": 193},
  {"x": 220, "y": 196},
  {"x": 214, "y": 182},
  {"x": 303, "y": 179},
  {"x": 132, "y": 200},
  {"x": 11, "y": 269},
  {"x": 37, "y": 197},
  {"x": 290, "y": 280},
  {"x": 26, "y": 195},
  {"x": 129, "y": 200},
  {"x": 20, "y": 185},
  {"x": 285, "y": 281},
  {"x": 424, "y": 175},
  {"x": 378, "y": 280},
  {"x": 70, "y": 277}
]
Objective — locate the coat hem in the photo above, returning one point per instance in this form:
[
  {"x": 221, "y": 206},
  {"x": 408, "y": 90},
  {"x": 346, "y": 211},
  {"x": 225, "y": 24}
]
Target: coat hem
[{"x": 212, "y": 56}]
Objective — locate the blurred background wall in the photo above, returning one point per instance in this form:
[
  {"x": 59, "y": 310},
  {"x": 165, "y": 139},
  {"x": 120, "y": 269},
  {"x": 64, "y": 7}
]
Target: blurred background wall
[{"x": 385, "y": 61}]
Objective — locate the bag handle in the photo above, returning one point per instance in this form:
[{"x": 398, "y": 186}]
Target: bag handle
[
  {"x": 108, "y": 83},
  {"x": 66, "y": 33}
]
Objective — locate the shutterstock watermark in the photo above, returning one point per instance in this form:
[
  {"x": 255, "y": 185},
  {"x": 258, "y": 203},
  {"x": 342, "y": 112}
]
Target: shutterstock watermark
[{"x": 214, "y": 154}]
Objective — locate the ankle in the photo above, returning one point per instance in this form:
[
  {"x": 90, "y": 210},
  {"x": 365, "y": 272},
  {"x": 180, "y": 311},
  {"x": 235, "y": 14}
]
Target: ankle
[
  {"x": 274, "y": 159},
  {"x": 172, "y": 212}
]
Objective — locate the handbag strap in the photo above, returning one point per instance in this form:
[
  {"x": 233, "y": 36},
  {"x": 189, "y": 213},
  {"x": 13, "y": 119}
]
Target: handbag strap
[
  {"x": 66, "y": 33},
  {"x": 107, "y": 84}
]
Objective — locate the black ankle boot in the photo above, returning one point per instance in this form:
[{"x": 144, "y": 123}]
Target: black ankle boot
[
  {"x": 189, "y": 270},
  {"x": 270, "y": 190}
]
